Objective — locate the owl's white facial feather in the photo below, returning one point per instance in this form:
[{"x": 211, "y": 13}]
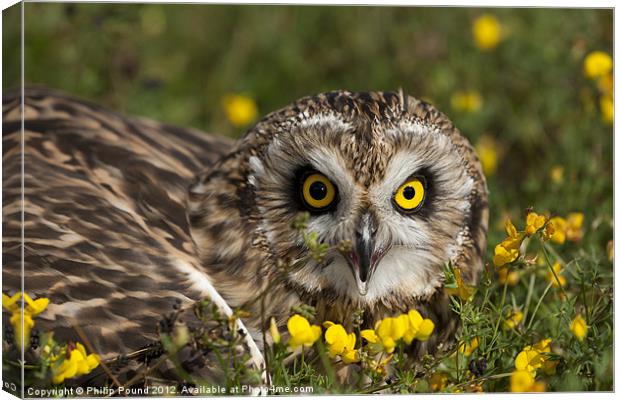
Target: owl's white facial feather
[{"x": 402, "y": 269}]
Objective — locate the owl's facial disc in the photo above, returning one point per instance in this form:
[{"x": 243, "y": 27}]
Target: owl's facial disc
[
  {"x": 402, "y": 202},
  {"x": 365, "y": 255}
]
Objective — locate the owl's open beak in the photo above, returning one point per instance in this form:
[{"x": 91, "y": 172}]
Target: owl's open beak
[{"x": 364, "y": 257}]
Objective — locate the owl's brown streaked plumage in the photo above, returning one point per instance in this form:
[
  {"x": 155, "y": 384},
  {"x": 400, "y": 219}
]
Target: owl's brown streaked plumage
[
  {"x": 105, "y": 224},
  {"x": 113, "y": 238}
]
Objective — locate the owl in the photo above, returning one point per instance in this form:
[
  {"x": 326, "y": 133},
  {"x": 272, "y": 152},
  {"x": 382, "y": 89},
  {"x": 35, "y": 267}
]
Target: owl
[
  {"x": 382, "y": 171},
  {"x": 125, "y": 217}
]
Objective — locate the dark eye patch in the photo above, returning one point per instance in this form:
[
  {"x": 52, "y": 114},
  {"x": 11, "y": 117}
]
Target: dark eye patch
[
  {"x": 295, "y": 191},
  {"x": 426, "y": 209}
]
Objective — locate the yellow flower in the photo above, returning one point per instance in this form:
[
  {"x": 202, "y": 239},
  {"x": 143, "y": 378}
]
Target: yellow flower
[
  {"x": 438, "y": 381},
  {"x": 504, "y": 255},
  {"x": 24, "y": 326},
  {"x": 273, "y": 331},
  {"x": 77, "y": 363},
  {"x": 523, "y": 381},
  {"x": 487, "y": 32},
  {"x": 529, "y": 360},
  {"x": 557, "y": 174},
  {"x": 461, "y": 290},
  {"x": 534, "y": 358},
  {"x": 574, "y": 222},
  {"x": 418, "y": 328},
  {"x": 468, "y": 348},
  {"x": 561, "y": 281},
  {"x": 610, "y": 250},
  {"x": 607, "y": 109},
  {"x": 579, "y": 327},
  {"x": 388, "y": 331},
  {"x": 466, "y": 101},
  {"x": 240, "y": 109},
  {"x": 375, "y": 345},
  {"x": 35, "y": 307},
  {"x": 302, "y": 333},
  {"x": 514, "y": 318},
  {"x": 597, "y": 64},
  {"x": 534, "y": 222},
  {"x": 488, "y": 153},
  {"x": 340, "y": 343},
  {"x": 391, "y": 330},
  {"x": 507, "y": 276},
  {"x": 544, "y": 346},
  {"x": 555, "y": 230},
  {"x": 508, "y": 250}
]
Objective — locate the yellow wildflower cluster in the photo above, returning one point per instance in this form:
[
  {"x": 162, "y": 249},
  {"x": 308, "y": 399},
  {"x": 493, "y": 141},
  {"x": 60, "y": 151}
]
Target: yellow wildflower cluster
[
  {"x": 32, "y": 308},
  {"x": 556, "y": 229},
  {"x": 559, "y": 230},
  {"x": 487, "y": 32},
  {"x": 240, "y": 109},
  {"x": 406, "y": 327},
  {"x": 466, "y": 101},
  {"x": 77, "y": 363},
  {"x": 341, "y": 344},
  {"x": 598, "y": 66},
  {"x": 579, "y": 327}
]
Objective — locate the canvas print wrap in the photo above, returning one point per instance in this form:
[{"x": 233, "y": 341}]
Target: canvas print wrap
[{"x": 260, "y": 200}]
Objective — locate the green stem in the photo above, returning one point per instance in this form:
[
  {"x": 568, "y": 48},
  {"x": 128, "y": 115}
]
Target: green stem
[
  {"x": 499, "y": 319},
  {"x": 538, "y": 305},
  {"x": 528, "y": 299}
]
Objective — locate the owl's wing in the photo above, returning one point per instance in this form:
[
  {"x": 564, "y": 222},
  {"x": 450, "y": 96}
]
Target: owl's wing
[{"x": 106, "y": 236}]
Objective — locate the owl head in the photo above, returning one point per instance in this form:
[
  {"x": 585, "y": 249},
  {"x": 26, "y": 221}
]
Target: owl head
[{"x": 384, "y": 172}]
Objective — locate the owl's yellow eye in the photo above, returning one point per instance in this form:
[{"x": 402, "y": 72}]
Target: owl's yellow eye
[
  {"x": 317, "y": 191},
  {"x": 410, "y": 195}
]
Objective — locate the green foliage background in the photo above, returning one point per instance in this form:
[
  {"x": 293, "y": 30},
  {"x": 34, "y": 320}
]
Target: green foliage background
[{"x": 174, "y": 63}]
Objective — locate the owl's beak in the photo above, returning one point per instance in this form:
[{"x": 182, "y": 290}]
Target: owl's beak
[{"x": 364, "y": 257}]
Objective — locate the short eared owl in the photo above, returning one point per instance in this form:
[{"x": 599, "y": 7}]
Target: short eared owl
[{"x": 125, "y": 216}]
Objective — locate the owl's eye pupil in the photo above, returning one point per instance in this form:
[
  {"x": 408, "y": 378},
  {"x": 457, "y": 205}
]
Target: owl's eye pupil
[
  {"x": 409, "y": 193},
  {"x": 318, "y": 190}
]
